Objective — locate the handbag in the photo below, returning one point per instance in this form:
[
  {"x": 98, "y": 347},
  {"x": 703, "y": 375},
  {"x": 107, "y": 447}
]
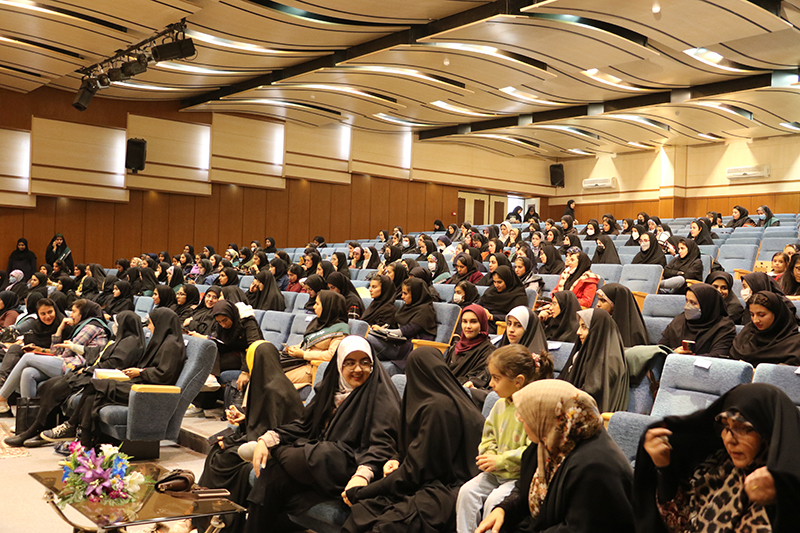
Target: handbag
[
  {"x": 27, "y": 411},
  {"x": 387, "y": 337},
  {"x": 9, "y": 334},
  {"x": 178, "y": 480}
]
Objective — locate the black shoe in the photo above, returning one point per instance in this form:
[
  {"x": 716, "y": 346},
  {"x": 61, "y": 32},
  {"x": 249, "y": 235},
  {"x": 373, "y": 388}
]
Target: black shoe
[
  {"x": 7, "y": 414},
  {"x": 20, "y": 439},
  {"x": 62, "y": 432},
  {"x": 36, "y": 442}
]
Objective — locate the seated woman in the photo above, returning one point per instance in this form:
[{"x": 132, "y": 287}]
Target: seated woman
[
  {"x": 723, "y": 283},
  {"x": 578, "y": 278},
  {"x": 637, "y": 231},
  {"x": 293, "y": 276},
  {"x": 650, "y": 252},
  {"x": 381, "y": 311},
  {"x": 789, "y": 282},
  {"x": 467, "y": 358},
  {"x": 122, "y": 299},
  {"x": 573, "y": 477},
  {"x": 161, "y": 364},
  {"x": 38, "y": 283},
  {"x": 464, "y": 294},
  {"x": 340, "y": 283},
  {"x": 398, "y": 273},
  {"x": 123, "y": 352},
  {"x": 571, "y": 241},
  {"x": 780, "y": 264},
  {"x": 234, "y": 330},
  {"x": 416, "y": 319},
  {"x": 187, "y": 298},
  {"x": 495, "y": 260},
  {"x": 523, "y": 328},
  {"x": 704, "y": 321},
  {"x": 202, "y": 319},
  {"x": 272, "y": 401},
  {"x": 771, "y": 336},
  {"x": 618, "y": 301},
  {"x": 687, "y": 265},
  {"x": 504, "y": 295},
  {"x": 504, "y": 440},
  {"x": 440, "y": 432},
  {"x": 729, "y": 467},
  {"x": 560, "y": 317},
  {"x": 67, "y": 285},
  {"x": 264, "y": 293},
  {"x": 9, "y": 304},
  {"x": 765, "y": 217},
  {"x": 343, "y": 438},
  {"x": 465, "y": 270},
  {"x": 280, "y": 272},
  {"x": 312, "y": 286},
  {"x": 756, "y": 282},
  {"x": 437, "y": 264},
  {"x": 597, "y": 362},
  {"x": 610, "y": 225},
  {"x": 321, "y": 339},
  {"x": 551, "y": 260},
  {"x": 88, "y": 330},
  {"x": 526, "y": 271},
  {"x": 164, "y": 296},
  {"x": 606, "y": 252},
  {"x": 741, "y": 218}
]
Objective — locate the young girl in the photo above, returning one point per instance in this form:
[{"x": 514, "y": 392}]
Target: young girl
[
  {"x": 780, "y": 262},
  {"x": 295, "y": 273},
  {"x": 504, "y": 440}
]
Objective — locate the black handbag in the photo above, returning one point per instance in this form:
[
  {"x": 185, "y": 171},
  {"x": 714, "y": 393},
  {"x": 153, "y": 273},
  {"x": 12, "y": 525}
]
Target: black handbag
[
  {"x": 387, "y": 337},
  {"x": 27, "y": 411}
]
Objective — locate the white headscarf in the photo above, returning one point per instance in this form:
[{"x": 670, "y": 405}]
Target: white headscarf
[
  {"x": 586, "y": 315},
  {"x": 350, "y": 344},
  {"x": 521, "y": 314}
]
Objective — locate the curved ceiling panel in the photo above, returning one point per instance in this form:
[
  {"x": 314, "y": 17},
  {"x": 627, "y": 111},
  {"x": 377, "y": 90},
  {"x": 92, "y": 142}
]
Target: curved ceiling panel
[
  {"x": 387, "y": 12},
  {"x": 279, "y": 110}
]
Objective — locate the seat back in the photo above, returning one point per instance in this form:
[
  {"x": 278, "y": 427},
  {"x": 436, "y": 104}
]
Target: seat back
[
  {"x": 559, "y": 351},
  {"x": 446, "y": 291},
  {"x": 297, "y": 331},
  {"x": 658, "y": 311},
  {"x": 275, "y": 327},
  {"x": 245, "y": 282},
  {"x": 690, "y": 383},
  {"x": 488, "y": 403},
  {"x": 611, "y": 273},
  {"x": 446, "y": 319},
  {"x": 784, "y": 377},
  {"x": 532, "y": 295},
  {"x": 144, "y": 305},
  {"x": 640, "y": 397},
  {"x": 550, "y": 282},
  {"x": 300, "y": 301},
  {"x": 200, "y": 356},
  {"x": 358, "y": 327},
  {"x": 642, "y": 278},
  {"x": 364, "y": 272},
  {"x": 317, "y": 379},
  {"x": 482, "y": 289},
  {"x": 732, "y": 256},
  {"x": 399, "y": 381},
  {"x": 288, "y": 299},
  {"x": 710, "y": 250}
]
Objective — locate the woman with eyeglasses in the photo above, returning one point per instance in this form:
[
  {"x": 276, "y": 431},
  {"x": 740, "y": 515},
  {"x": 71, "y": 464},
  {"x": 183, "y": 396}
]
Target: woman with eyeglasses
[{"x": 732, "y": 467}]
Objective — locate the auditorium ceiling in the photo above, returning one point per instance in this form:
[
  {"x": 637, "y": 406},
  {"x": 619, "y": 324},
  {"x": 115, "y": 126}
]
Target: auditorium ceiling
[{"x": 551, "y": 79}]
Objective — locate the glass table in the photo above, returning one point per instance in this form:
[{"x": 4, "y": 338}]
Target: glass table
[{"x": 148, "y": 507}]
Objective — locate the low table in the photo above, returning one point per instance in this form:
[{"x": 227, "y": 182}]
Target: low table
[{"x": 149, "y": 507}]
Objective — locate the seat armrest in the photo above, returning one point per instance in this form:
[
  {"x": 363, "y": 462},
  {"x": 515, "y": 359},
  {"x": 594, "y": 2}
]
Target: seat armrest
[
  {"x": 739, "y": 273},
  {"x": 150, "y": 408},
  {"x": 691, "y": 282},
  {"x": 442, "y": 347},
  {"x": 639, "y": 296},
  {"x": 501, "y": 328},
  {"x": 160, "y": 389}
]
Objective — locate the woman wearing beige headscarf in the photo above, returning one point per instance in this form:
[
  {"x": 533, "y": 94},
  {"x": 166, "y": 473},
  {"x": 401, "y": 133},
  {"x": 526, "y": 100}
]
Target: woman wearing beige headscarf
[{"x": 576, "y": 478}]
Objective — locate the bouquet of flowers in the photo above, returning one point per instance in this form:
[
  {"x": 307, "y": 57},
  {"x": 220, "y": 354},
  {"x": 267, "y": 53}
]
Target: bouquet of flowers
[{"x": 104, "y": 477}]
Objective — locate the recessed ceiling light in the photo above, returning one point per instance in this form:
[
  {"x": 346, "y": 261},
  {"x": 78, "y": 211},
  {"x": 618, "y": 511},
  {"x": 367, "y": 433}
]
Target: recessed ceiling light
[
  {"x": 640, "y": 120},
  {"x": 568, "y": 129},
  {"x": 711, "y": 137},
  {"x": 613, "y": 81},
  {"x": 196, "y": 69},
  {"x": 529, "y": 97},
  {"x": 794, "y": 126},
  {"x": 248, "y": 47},
  {"x": 453, "y": 108},
  {"x": 403, "y": 122},
  {"x": 579, "y": 152},
  {"x": 640, "y": 145},
  {"x": 131, "y": 84},
  {"x": 727, "y": 108},
  {"x": 714, "y": 59}
]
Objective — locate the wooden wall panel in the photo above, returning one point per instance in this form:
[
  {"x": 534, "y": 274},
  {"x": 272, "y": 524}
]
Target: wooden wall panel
[
  {"x": 433, "y": 206},
  {"x": 255, "y": 212},
  {"x": 128, "y": 227},
  {"x": 320, "y": 211},
  {"x": 277, "y": 217},
  {"x": 450, "y": 205},
  {"x": 380, "y": 198},
  {"x": 206, "y": 221},
  {"x": 300, "y": 212},
  {"x": 398, "y": 207},
  {"x": 39, "y": 226},
  {"x": 787, "y": 203},
  {"x": 155, "y": 222},
  {"x": 11, "y": 229},
  {"x": 231, "y": 215},
  {"x": 341, "y": 213},
  {"x": 71, "y": 213},
  {"x": 99, "y": 234},
  {"x": 180, "y": 231},
  {"x": 416, "y": 207},
  {"x": 359, "y": 207},
  {"x": 246, "y": 152}
]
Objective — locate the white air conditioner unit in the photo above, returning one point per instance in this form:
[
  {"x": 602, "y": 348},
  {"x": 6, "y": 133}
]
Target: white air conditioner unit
[
  {"x": 735, "y": 173},
  {"x": 598, "y": 183}
]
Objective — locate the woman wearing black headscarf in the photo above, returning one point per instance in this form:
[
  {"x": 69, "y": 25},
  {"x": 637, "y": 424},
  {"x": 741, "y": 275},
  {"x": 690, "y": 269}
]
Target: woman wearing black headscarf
[
  {"x": 570, "y": 209},
  {"x": 38, "y": 283},
  {"x": 495, "y": 260},
  {"x": 161, "y": 272},
  {"x": 122, "y": 299},
  {"x": 202, "y": 319},
  {"x": 637, "y": 231},
  {"x": 269, "y": 246},
  {"x": 610, "y": 226},
  {"x": 228, "y": 277},
  {"x": 398, "y": 273},
  {"x": 771, "y": 336},
  {"x": 567, "y": 228},
  {"x": 506, "y": 294},
  {"x": 161, "y": 364},
  {"x": 164, "y": 296},
  {"x": 381, "y": 311},
  {"x": 311, "y": 261},
  {"x": 392, "y": 254},
  {"x": 107, "y": 292},
  {"x": 650, "y": 252},
  {"x": 439, "y": 434},
  {"x": 453, "y": 233},
  {"x": 187, "y": 299},
  {"x": 591, "y": 230},
  {"x": 765, "y": 218},
  {"x": 149, "y": 280},
  {"x": 723, "y": 283},
  {"x": 343, "y": 438},
  {"x": 686, "y": 265},
  {"x": 704, "y": 320},
  {"x": 554, "y": 236},
  {"x": 22, "y": 258},
  {"x": 8, "y": 308},
  {"x": 313, "y": 285},
  {"x": 264, "y": 293},
  {"x": 416, "y": 319},
  {"x": 597, "y": 362},
  {"x": 699, "y": 232},
  {"x": 733, "y": 466},
  {"x": 467, "y": 358},
  {"x": 606, "y": 252},
  {"x": 578, "y": 277},
  {"x": 741, "y": 218},
  {"x": 642, "y": 218},
  {"x": 175, "y": 277},
  {"x": 627, "y": 226},
  {"x": 560, "y": 318},
  {"x": 325, "y": 269},
  {"x": 464, "y": 294},
  {"x": 280, "y": 272},
  {"x": 58, "y": 249},
  {"x": 437, "y": 264},
  {"x": 91, "y": 289},
  {"x": 756, "y": 282},
  {"x": 342, "y": 284},
  {"x": 551, "y": 259},
  {"x": 234, "y": 331},
  {"x": 339, "y": 262},
  {"x": 618, "y": 301},
  {"x": 571, "y": 241},
  {"x": 465, "y": 271}
]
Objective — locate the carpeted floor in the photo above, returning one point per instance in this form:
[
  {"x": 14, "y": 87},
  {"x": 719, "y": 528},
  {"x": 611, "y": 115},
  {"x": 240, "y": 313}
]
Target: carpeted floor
[{"x": 8, "y": 452}]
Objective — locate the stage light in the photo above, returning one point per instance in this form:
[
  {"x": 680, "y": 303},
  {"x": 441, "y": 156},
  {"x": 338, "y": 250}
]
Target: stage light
[
  {"x": 137, "y": 66},
  {"x": 177, "y": 49},
  {"x": 116, "y": 74},
  {"x": 85, "y": 94},
  {"x": 103, "y": 81}
]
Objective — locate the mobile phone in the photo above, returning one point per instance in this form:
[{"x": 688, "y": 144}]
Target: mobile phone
[{"x": 213, "y": 439}]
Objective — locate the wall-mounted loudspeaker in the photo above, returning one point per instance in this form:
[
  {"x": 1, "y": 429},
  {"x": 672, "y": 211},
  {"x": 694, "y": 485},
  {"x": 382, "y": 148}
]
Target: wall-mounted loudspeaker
[
  {"x": 557, "y": 175},
  {"x": 135, "y": 155}
]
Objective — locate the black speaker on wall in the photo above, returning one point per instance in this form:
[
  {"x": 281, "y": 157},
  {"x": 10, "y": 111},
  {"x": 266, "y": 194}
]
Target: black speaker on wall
[
  {"x": 135, "y": 155},
  {"x": 557, "y": 175}
]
